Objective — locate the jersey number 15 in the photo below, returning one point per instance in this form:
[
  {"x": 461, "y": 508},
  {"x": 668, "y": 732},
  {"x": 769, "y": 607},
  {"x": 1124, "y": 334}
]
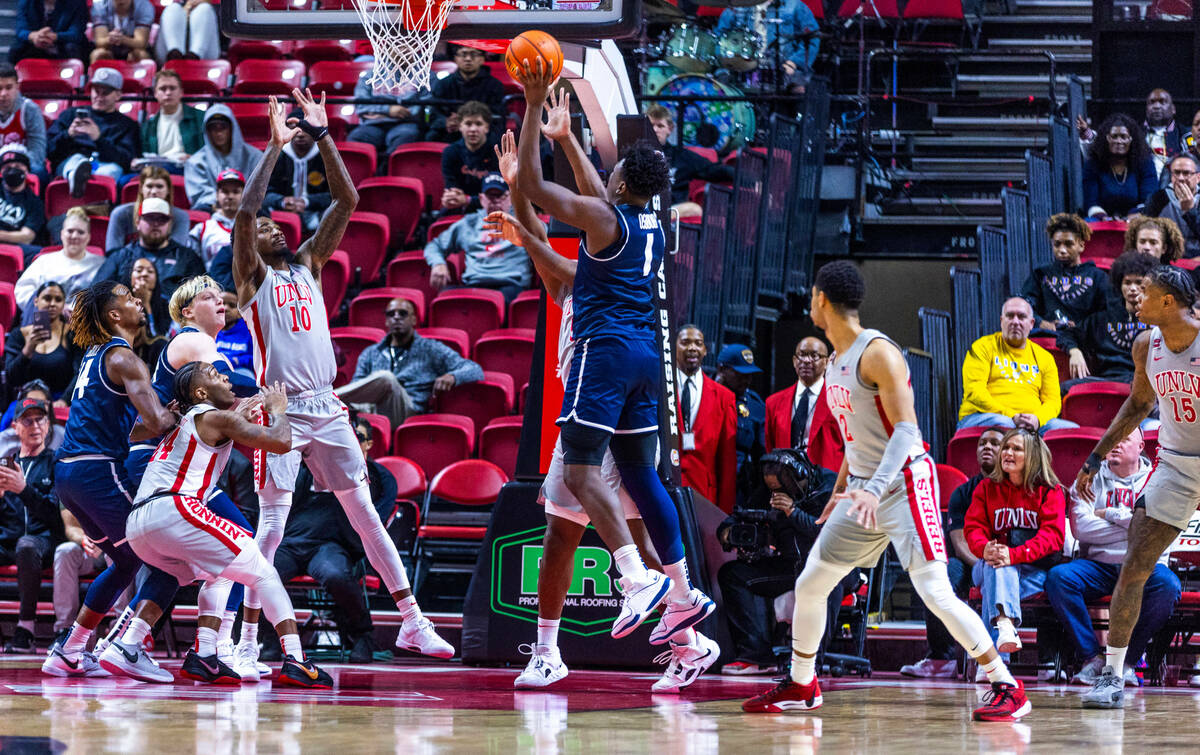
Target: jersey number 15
[{"x": 1183, "y": 409}]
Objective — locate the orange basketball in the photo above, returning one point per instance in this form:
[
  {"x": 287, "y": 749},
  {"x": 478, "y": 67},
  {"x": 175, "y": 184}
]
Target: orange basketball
[{"x": 531, "y": 45}]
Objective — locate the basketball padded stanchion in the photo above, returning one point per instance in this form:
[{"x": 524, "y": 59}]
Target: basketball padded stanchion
[{"x": 404, "y": 34}]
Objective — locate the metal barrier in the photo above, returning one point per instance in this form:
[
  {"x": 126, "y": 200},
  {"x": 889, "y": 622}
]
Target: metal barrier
[
  {"x": 741, "y": 266},
  {"x": 920, "y": 373},
  {"x": 1039, "y": 179},
  {"x": 806, "y": 189},
  {"x": 935, "y": 340},
  {"x": 1076, "y": 106},
  {"x": 708, "y": 296},
  {"x": 681, "y": 272},
  {"x": 993, "y": 245},
  {"x": 969, "y": 322},
  {"x": 784, "y": 151},
  {"x": 1063, "y": 142},
  {"x": 1020, "y": 234}
]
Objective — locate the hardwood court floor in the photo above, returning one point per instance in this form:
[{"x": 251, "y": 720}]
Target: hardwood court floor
[{"x": 409, "y": 709}]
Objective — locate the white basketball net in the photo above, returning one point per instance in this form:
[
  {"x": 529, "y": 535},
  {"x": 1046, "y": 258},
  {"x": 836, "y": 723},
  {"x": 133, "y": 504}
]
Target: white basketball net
[{"x": 404, "y": 35}]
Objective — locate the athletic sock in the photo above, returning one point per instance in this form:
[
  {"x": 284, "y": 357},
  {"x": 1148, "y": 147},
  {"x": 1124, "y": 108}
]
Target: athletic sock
[
  {"x": 629, "y": 562},
  {"x": 135, "y": 632},
  {"x": 997, "y": 672},
  {"x": 249, "y": 633},
  {"x": 409, "y": 610},
  {"x": 803, "y": 669},
  {"x": 547, "y": 633},
  {"x": 680, "y": 585},
  {"x": 225, "y": 631},
  {"x": 1115, "y": 657},
  {"x": 118, "y": 626},
  {"x": 77, "y": 639},
  {"x": 206, "y": 641},
  {"x": 291, "y": 646}
]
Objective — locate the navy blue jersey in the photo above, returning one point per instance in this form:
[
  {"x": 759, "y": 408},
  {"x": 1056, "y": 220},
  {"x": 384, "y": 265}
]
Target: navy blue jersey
[
  {"x": 614, "y": 290},
  {"x": 163, "y": 379},
  {"x": 101, "y": 414}
]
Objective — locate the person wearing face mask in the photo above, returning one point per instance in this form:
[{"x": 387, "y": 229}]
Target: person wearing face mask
[
  {"x": 1067, "y": 290},
  {"x": 72, "y": 267},
  {"x": 22, "y": 217},
  {"x": 298, "y": 183},
  {"x": 224, "y": 147},
  {"x": 466, "y": 161},
  {"x": 174, "y": 262},
  {"x": 99, "y": 130},
  {"x": 42, "y": 349},
  {"x": 1118, "y": 174},
  {"x": 153, "y": 181},
  {"x": 490, "y": 262}
]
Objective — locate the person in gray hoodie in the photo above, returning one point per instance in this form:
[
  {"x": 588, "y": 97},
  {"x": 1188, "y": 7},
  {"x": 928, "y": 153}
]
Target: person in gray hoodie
[
  {"x": 1101, "y": 528},
  {"x": 223, "y": 148}
]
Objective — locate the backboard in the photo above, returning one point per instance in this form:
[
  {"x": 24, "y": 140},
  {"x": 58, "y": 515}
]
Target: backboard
[{"x": 567, "y": 20}]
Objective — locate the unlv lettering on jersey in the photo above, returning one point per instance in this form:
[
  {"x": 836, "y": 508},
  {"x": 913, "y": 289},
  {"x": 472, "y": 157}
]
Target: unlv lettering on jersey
[
  {"x": 1177, "y": 381},
  {"x": 286, "y": 293},
  {"x": 838, "y": 397},
  {"x": 1008, "y": 518}
]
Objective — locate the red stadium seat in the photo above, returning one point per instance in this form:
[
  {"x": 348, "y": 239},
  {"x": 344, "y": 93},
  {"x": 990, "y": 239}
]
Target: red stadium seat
[
  {"x": 1094, "y": 404},
  {"x": 131, "y": 109},
  {"x": 433, "y": 442},
  {"x": 400, "y": 199},
  {"x": 482, "y": 401},
  {"x": 367, "y": 308},
  {"x": 268, "y": 76},
  {"x": 98, "y": 189},
  {"x": 359, "y": 159},
  {"x": 202, "y": 77},
  {"x": 49, "y": 78},
  {"x": 960, "y": 452},
  {"x": 1069, "y": 448},
  {"x": 289, "y": 222},
  {"x": 138, "y": 76},
  {"x": 1108, "y": 239},
  {"x": 949, "y": 478},
  {"x": 454, "y": 517},
  {"x": 366, "y": 241},
  {"x": 315, "y": 50},
  {"x": 8, "y": 305},
  {"x": 98, "y": 226},
  {"x": 341, "y": 119},
  {"x": 411, "y": 482},
  {"x": 475, "y": 310},
  {"x": 252, "y": 118},
  {"x": 62, "y": 414},
  {"x": 439, "y": 226},
  {"x": 501, "y": 72},
  {"x": 885, "y": 9},
  {"x": 951, "y": 10},
  {"x": 423, "y": 161},
  {"x": 507, "y": 350},
  {"x": 708, "y": 153},
  {"x": 524, "y": 309},
  {"x": 51, "y": 109},
  {"x": 500, "y": 441},
  {"x": 408, "y": 269},
  {"x": 352, "y": 341},
  {"x": 453, "y": 337},
  {"x": 817, "y": 7},
  {"x": 258, "y": 49},
  {"x": 1061, "y": 360},
  {"x": 179, "y": 197},
  {"x": 335, "y": 279},
  {"x": 381, "y": 433},
  {"x": 336, "y": 77},
  {"x": 197, "y": 216},
  {"x": 1151, "y": 438},
  {"x": 12, "y": 262}
]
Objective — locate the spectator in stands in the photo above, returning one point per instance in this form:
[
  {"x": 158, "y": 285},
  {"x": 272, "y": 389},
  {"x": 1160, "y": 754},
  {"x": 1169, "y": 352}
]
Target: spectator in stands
[
  {"x": 153, "y": 182},
  {"x": 223, "y": 148},
  {"x": 298, "y": 183},
  {"x": 1009, "y": 381},
  {"x": 398, "y": 375},
  {"x": 1101, "y": 527},
  {"x": 47, "y": 30},
  {"x": 1158, "y": 238},
  {"x": 143, "y": 281},
  {"x": 1176, "y": 202},
  {"x": 1118, "y": 174},
  {"x": 940, "y": 662},
  {"x": 1106, "y": 337},
  {"x": 735, "y": 370},
  {"x": 176, "y": 131},
  {"x": 1164, "y": 138},
  {"x": 174, "y": 262},
  {"x": 386, "y": 125},
  {"x": 490, "y": 262},
  {"x": 121, "y": 29},
  {"x": 43, "y": 348},
  {"x": 234, "y": 340},
  {"x": 10, "y": 444},
  {"x": 1015, "y": 527},
  {"x": 798, "y": 417},
  {"x": 22, "y": 215},
  {"x": 467, "y": 161},
  {"x": 320, "y": 542},
  {"x": 188, "y": 28},
  {"x": 21, "y": 121},
  {"x": 96, "y": 139},
  {"x": 30, "y": 525},
  {"x": 216, "y": 233},
  {"x": 686, "y": 165},
  {"x": 1067, "y": 290},
  {"x": 707, "y": 424},
  {"x": 790, "y": 24},
  {"x": 471, "y": 81},
  {"x": 72, "y": 267},
  {"x": 77, "y": 556}
]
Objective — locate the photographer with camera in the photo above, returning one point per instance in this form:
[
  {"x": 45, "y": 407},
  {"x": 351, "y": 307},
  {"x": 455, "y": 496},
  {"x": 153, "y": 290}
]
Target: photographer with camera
[{"x": 772, "y": 534}]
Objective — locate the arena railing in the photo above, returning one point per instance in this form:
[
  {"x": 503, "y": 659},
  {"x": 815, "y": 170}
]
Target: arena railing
[
  {"x": 993, "y": 249},
  {"x": 741, "y": 259},
  {"x": 935, "y": 341},
  {"x": 805, "y": 193},
  {"x": 1019, "y": 234},
  {"x": 681, "y": 271},
  {"x": 710, "y": 291},
  {"x": 1039, "y": 179},
  {"x": 969, "y": 324},
  {"x": 1063, "y": 141},
  {"x": 925, "y": 400},
  {"x": 785, "y": 144}
]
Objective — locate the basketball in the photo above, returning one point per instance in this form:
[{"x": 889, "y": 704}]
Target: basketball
[{"x": 529, "y": 46}]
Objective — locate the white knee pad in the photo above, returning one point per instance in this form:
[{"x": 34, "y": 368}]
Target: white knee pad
[
  {"x": 214, "y": 594},
  {"x": 933, "y": 585},
  {"x": 273, "y": 507},
  {"x": 381, "y": 551},
  {"x": 252, "y": 570}
]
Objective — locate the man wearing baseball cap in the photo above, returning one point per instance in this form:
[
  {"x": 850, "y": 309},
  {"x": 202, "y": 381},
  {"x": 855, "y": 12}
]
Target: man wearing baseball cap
[
  {"x": 497, "y": 263},
  {"x": 214, "y": 234},
  {"x": 22, "y": 216},
  {"x": 95, "y": 139},
  {"x": 735, "y": 370},
  {"x": 173, "y": 261}
]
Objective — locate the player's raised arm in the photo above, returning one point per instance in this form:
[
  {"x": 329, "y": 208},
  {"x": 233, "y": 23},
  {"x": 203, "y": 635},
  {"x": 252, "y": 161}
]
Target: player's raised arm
[
  {"x": 556, "y": 271},
  {"x": 131, "y": 373},
  {"x": 231, "y": 425},
  {"x": 248, "y": 268},
  {"x": 506, "y": 156},
  {"x": 558, "y": 128},
  {"x": 315, "y": 252}
]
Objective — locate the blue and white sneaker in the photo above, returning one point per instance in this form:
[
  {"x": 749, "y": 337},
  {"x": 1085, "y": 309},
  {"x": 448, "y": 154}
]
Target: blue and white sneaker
[
  {"x": 639, "y": 599},
  {"x": 545, "y": 667},
  {"x": 680, "y": 616},
  {"x": 685, "y": 663}
]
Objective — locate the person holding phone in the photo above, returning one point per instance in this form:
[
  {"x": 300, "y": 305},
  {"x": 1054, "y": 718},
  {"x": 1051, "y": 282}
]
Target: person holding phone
[
  {"x": 95, "y": 139},
  {"x": 41, "y": 349}
]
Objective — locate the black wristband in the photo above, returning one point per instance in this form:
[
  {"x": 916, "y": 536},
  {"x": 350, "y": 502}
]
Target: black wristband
[
  {"x": 1093, "y": 462},
  {"x": 316, "y": 132}
]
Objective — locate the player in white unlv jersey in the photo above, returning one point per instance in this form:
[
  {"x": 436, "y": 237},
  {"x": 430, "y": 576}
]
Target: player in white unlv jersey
[
  {"x": 1166, "y": 362},
  {"x": 886, "y": 493},
  {"x": 280, "y": 299}
]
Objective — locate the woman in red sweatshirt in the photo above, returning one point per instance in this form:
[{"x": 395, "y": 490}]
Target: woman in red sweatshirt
[{"x": 1015, "y": 527}]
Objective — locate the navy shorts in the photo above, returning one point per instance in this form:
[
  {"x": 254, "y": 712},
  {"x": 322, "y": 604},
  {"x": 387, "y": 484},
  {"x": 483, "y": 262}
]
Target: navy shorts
[
  {"x": 614, "y": 385},
  {"x": 100, "y": 495}
]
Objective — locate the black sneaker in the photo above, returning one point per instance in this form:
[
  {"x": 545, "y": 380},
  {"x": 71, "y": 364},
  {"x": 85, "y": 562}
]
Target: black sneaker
[
  {"x": 363, "y": 650},
  {"x": 21, "y": 642},
  {"x": 80, "y": 178},
  {"x": 303, "y": 674},
  {"x": 209, "y": 670}
]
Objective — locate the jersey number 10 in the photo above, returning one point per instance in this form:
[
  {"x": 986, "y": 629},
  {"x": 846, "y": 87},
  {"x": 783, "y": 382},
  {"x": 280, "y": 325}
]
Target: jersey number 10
[{"x": 301, "y": 319}]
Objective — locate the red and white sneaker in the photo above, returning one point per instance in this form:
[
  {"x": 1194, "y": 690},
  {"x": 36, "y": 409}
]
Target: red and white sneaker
[
  {"x": 1005, "y": 702},
  {"x": 786, "y": 696}
]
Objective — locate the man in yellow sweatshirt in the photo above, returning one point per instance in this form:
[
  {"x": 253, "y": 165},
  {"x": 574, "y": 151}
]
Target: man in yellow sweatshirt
[{"x": 1009, "y": 381}]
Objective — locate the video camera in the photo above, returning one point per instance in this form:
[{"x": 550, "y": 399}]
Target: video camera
[{"x": 755, "y": 531}]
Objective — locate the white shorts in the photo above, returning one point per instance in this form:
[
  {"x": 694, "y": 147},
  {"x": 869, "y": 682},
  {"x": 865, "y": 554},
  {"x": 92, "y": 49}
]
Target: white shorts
[
  {"x": 1172, "y": 489},
  {"x": 323, "y": 438},
  {"x": 563, "y": 504},
  {"x": 184, "y": 538},
  {"x": 909, "y": 517}
]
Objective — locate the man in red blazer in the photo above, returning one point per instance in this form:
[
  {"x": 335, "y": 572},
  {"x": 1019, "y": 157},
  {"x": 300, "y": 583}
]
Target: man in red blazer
[
  {"x": 707, "y": 424},
  {"x": 804, "y": 421}
]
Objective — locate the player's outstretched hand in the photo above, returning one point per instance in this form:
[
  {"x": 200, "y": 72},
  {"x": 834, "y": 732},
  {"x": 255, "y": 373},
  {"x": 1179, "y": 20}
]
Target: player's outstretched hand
[
  {"x": 501, "y": 225},
  {"x": 1083, "y": 484},
  {"x": 558, "y": 115},
  {"x": 506, "y": 153},
  {"x": 314, "y": 111},
  {"x": 274, "y": 398},
  {"x": 281, "y": 133},
  {"x": 536, "y": 79}
]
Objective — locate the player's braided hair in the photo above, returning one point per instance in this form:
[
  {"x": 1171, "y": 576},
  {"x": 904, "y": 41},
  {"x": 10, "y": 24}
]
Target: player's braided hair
[
  {"x": 182, "y": 387},
  {"x": 842, "y": 284},
  {"x": 87, "y": 314},
  {"x": 647, "y": 172},
  {"x": 1176, "y": 282}
]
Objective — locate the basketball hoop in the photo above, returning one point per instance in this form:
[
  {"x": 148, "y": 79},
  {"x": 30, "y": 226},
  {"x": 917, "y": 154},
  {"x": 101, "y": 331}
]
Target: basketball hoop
[{"x": 404, "y": 34}]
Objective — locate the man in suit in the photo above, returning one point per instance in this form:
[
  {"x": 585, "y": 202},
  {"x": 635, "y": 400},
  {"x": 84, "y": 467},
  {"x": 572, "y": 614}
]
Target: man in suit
[
  {"x": 798, "y": 417},
  {"x": 707, "y": 422}
]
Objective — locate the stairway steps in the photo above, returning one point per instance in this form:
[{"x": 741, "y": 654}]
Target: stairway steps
[{"x": 942, "y": 122}]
